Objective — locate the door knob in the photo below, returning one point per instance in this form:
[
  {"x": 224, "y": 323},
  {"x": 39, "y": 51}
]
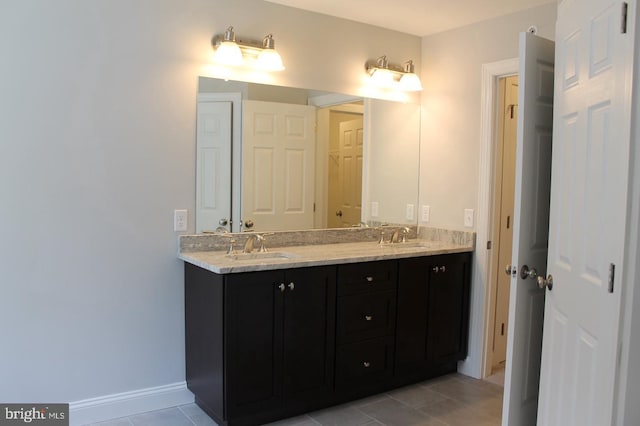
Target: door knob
[
  {"x": 548, "y": 282},
  {"x": 525, "y": 272},
  {"x": 510, "y": 270},
  {"x": 223, "y": 222},
  {"x": 248, "y": 224},
  {"x": 339, "y": 213}
]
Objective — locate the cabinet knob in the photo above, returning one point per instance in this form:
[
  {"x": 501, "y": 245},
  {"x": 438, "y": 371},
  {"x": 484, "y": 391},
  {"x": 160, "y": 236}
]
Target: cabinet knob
[
  {"x": 369, "y": 279},
  {"x": 281, "y": 287},
  {"x": 366, "y": 364},
  {"x": 292, "y": 286},
  {"x": 368, "y": 317},
  {"x": 437, "y": 269},
  {"x": 443, "y": 269}
]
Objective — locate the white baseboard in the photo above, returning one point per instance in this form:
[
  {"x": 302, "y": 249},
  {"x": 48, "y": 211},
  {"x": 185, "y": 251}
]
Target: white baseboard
[{"x": 128, "y": 403}]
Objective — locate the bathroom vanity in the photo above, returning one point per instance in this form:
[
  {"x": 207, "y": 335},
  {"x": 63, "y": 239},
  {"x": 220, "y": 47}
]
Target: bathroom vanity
[{"x": 299, "y": 328}]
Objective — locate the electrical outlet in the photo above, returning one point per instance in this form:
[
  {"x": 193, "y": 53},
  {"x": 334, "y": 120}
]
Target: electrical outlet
[
  {"x": 374, "y": 209},
  {"x": 468, "y": 218},
  {"x": 410, "y": 211},
  {"x": 180, "y": 220},
  {"x": 426, "y": 212}
]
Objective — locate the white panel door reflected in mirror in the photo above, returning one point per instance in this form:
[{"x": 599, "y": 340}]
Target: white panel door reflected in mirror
[{"x": 323, "y": 171}]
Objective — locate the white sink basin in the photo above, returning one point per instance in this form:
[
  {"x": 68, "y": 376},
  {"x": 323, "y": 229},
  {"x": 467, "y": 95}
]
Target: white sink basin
[
  {"x": 412, "y": 245},
  {"x": 262, "y": 255}
]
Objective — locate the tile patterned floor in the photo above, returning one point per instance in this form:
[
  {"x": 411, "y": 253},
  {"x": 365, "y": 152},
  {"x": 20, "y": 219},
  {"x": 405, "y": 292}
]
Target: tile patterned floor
[{"x": 452, "y": 400}]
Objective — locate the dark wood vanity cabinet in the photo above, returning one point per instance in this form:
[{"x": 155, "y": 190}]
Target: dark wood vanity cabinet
[
  {"x": 365, "y": 327},
  {"x": 272, "y": 344},
  {"x": 259, "y": 344},
  {"x": 433, "y": 314}
]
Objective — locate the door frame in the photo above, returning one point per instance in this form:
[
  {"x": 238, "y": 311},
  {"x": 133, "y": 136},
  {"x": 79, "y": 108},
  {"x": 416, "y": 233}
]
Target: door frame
[{"x": 478, "y": 362}]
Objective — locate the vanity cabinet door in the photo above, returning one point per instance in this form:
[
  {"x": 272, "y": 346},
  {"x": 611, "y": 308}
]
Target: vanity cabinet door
[
  {"x": 280, "y": 339},
  {"x": 309, "y": 334},
  {"x": 433, "y": 313},
  {"x": 253, "y": 319},
  {"x": 448, "y": 312}
]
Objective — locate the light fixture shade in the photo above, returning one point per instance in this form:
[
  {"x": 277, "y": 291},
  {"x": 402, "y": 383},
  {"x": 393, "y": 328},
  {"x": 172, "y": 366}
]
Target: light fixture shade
[
  {"x": 269, "y": 60},
  {"x": 382, "y": 77},
  {"x": 410, "y": 82},
  {"x": 228, "y": 53}
]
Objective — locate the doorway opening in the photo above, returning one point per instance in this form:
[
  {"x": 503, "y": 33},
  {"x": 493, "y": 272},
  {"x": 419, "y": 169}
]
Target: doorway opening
[{"x": 502, "y": 213}]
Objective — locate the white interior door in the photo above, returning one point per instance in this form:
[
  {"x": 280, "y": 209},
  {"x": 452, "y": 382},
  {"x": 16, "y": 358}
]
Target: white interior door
[
  {"x": 530, "y": 232},
  {"x": 350, "y": 172},
  {"x": 278, "y": 166},
  {"x": 213, "y": 169},
  {"x": 588, "y": 213}
]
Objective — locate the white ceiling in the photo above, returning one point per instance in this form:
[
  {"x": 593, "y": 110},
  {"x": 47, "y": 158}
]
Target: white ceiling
[{"x": 417, "y": 17}]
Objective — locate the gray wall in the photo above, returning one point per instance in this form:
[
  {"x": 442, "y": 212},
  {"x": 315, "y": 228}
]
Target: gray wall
[
  {"x": 451, "y": 76},
  {"x": 97, "y": 135}
]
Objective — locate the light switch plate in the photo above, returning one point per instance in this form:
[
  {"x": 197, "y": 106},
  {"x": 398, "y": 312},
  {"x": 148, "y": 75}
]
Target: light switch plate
[
  {"x": 374, "y": 209},
  {"x": 180, "y": 220},
  {"x": 410, "y": 211},
  {"x": 468, "y": 218},
  {"x": 426, "y": 213}
]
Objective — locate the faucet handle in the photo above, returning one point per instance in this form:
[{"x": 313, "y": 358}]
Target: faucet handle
[
  {"x": 262, "y": 239},
  {"x": 231, "y": 241}
]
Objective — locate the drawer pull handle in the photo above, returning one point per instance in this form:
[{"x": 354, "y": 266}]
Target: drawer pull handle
[
  {"x": 369, "y": 279},
  {"x": 368, "y": 317},
  {"x": 292, "y": 286},
  {"x": 281, "y": 287},
  {"x": 367, "y": 364}
]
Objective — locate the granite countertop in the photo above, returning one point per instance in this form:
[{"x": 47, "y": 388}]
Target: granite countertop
[{"x": 321, "y": 254}]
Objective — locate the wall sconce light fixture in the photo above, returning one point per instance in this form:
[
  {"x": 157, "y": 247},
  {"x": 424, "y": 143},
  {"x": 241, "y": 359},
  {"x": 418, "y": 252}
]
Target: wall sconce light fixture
[
  {"x": 388, "y": 76},
  {"x": 259, "y": 55}
]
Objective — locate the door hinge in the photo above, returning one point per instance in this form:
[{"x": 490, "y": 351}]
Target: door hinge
[
  {"x": 508, "y": 221},
  {"x": 488, "y": 245},
  {"x": 314, "y": 207},
  {"x": 612, "y": 276},
  {"x": 623, "y": 22},
  {"x": 502, "y": 329}
]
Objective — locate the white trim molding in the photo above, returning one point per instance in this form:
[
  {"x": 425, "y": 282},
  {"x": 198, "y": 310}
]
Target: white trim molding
[
  {"x": 474, "y": 365},
  {"x": 125, "y": 404}
]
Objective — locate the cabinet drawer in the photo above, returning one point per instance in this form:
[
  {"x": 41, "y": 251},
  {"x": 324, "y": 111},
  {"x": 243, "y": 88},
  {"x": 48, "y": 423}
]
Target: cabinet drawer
[
  {"x": 364, "y": 316},
  {"x": 364, "y": 362},
  {"x": 364, "y": 277}
]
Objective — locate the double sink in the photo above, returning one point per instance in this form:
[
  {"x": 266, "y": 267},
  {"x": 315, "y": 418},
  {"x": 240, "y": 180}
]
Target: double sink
[{"x": 372, "y": 247}]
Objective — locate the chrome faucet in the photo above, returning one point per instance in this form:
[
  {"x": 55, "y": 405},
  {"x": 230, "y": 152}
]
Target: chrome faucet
[
  {"x": 250, "y": 243},
  {"x": 403, "y": 232}
]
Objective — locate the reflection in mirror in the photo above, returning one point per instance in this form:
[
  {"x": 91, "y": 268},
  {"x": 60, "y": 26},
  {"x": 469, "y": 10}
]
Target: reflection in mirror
[{"x": 275, "y": 158}]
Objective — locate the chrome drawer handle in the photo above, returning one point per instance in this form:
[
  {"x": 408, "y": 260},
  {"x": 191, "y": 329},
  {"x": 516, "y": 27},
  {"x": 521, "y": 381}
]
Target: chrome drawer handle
[
  {"x": 437, "y": 269},
  {"x": 368, "y": 317},
  {"x": 367, "y": 364},
  {"x": 369, "y": 279}
]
